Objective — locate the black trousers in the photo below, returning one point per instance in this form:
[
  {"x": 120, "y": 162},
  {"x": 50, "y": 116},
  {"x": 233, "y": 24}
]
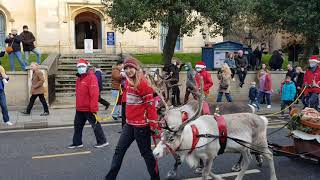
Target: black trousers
[
  {"x": 103, "y": 102},
  {"x": 42, "y": 100},
  {"x": 79, "y": 122},
  {"x": 188, "y": 92},
  {"x": 123, "y": 114},
  {"x": 284, "y": 104},
  {"x": 242, "y": 75},
  {"x": 142, "y": 137},
  {"x": 175, "y": 99}
]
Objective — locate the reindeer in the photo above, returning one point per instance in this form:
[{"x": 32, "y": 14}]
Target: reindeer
[{"x": 246, "y": 131}]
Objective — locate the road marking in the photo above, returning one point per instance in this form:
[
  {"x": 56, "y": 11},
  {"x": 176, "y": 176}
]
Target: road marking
[
  {"x": 60, "y": 155},
  {"x": 251, "y": 171},
  {"x": 49, "y": 129}
]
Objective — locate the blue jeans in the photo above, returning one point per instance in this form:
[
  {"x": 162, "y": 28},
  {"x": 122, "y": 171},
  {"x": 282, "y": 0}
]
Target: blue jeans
[
  {"x": 228, "y": 97},
  {"x": 3, "y": 104},
  {"x": 117, "y": 108},
  {"x": 36, "y": 52},
  {"x": 255, "y": 102},
  {"x": 22, "y": 63},
  {"x": 267, "y": 95}
]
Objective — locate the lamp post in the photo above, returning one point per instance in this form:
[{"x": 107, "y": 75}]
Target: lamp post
[{"x": 250, "y": 37}]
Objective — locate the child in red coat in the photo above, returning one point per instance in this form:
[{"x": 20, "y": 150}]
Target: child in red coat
[{"x": 207, "y": 80}]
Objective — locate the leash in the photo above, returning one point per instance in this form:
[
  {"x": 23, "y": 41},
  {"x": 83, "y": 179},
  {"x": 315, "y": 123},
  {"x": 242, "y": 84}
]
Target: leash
[{"x": 267, "y": 115}]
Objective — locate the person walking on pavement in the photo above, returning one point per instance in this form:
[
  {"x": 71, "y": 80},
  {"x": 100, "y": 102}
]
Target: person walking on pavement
[
  {"x": 28, "y": 40},
  {"x": 190, "y": 83},
  {"x": 3, "y": 102},
  {"x": 37, "y": 90},
  {"x": 207, "y": 80},
  {"x": 87, "y": 96},
  {"x": 13, "y": 41},
  {"x": 224, "y": 77},
  {"x": 242, "y": 65},
  {"x": 142, "y": 117},
  {"x": 265, "y": 85},
  {"x": 99, "y": 74},
  {"x": 116, "y": 89}
]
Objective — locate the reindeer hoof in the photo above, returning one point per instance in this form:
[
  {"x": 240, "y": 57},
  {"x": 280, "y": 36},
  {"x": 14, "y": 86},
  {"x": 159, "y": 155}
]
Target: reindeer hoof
[{"x": 171, "y": 175}]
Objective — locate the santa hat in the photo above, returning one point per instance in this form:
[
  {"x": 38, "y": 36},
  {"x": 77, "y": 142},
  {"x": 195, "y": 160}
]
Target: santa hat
[
  {"x": 314, "y": 59},
  {"x": 83, "y": 62},
  {"x": 132, "y": 63},
  {"x": 200, "y": 64}
]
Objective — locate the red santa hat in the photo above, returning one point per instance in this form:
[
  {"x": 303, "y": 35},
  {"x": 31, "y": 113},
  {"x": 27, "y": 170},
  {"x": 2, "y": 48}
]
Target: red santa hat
[
  {"x": 200, "y": 64},
  {"x": 83, "y": 62},
  {"x": 314, "y": 59}
]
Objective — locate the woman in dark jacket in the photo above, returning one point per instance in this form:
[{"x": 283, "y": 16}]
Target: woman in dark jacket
[
  {"x": 299, "y": 80},
  {"x": 14, "y": 41}
]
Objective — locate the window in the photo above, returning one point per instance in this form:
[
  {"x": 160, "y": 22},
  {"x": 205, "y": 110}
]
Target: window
[
  {"x": 2, "y": 30},
  {"x": 163, "y": 35}
]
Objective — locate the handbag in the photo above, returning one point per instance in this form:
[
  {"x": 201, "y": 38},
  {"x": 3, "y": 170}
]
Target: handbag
[
  {"x": 9, "y": 49},
  {"x": 224, "y": 85}
]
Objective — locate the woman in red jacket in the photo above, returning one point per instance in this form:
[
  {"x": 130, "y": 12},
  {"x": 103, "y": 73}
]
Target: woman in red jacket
[
  {"x": 87, "y": 96},
  {"x": 140, "y": 108}
]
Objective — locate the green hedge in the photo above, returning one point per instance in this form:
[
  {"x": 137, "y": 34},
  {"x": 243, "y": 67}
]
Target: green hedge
[{"x": 6, "y": 64}]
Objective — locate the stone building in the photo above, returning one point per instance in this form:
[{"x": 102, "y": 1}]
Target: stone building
[{"x": 62, "y": 26}]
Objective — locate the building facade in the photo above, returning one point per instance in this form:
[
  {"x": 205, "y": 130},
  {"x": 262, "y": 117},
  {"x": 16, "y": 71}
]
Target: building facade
[{"x": 62, "y": 26}]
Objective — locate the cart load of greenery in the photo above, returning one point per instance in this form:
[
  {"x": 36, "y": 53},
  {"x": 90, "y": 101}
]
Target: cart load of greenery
[{"x": 308, "y": 121}]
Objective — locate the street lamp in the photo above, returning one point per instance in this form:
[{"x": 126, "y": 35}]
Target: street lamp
[{"x": 250, "y": 37}]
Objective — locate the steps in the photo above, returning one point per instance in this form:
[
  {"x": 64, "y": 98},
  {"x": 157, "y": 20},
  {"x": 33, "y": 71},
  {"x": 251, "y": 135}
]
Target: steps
[{"x": 65, "y": 80}]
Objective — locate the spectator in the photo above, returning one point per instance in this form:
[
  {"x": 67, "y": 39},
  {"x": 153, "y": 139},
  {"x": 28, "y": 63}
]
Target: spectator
[
  {"x": 140, "y": 108},
  {"x": 312, "y": 81},
  {"x": 288, "y": 93},
  {"x": 3, "y": 102},
  {"x": 100, "y": 76},
  {"x": 14, "y": 40},
  {"x": 253, "y": 95},
  {"x": 291, "y": 72},
  {"x": 28, "y": 40},
  {"x": 207, "y": 80},
  {"x": 242, "y": 65},
  {"x": 224, "y": 77},
  {"x": 299, "y": 80},
  {"x": 257, "y": 54},
  {"x": 190, "y": 83},
  {"x": 87, "y": 96},
  {"x": 265, "y": 85},
  {"x": 232, "y": 64},
  {"x": 276, "y": 60},
  {"x": 37, "y": 90},
  {"x": 116, "y": 89},
  {"x": 173, "y": 76}
]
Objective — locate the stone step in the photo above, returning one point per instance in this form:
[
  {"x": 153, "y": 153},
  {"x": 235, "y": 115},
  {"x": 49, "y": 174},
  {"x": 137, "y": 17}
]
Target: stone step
[
  {"x": 89, "y": 55},
  {"x": 73, "y": 73},
  {"x": 103, "y": 61}
]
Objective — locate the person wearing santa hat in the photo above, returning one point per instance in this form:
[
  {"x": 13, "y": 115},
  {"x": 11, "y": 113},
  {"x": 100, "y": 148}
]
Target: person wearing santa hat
[
  {"x": 207, "y": 80},
  {"x": 312, "y": 83},
  {"x": 141, "y": 120},
  {"x": 87, "y": 96}
]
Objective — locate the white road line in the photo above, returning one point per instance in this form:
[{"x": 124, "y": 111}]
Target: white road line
[
  {"x": 49, "y": 129},
  {"x": 251, "y": 171},
  {"x": 61, "y": 155}
]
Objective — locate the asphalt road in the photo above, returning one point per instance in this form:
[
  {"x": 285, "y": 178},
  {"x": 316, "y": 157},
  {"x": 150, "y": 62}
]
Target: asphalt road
[{"x": 28, "y": 156}]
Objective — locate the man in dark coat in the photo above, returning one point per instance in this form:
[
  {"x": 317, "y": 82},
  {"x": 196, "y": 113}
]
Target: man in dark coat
[
  {"x": 242, "y": 65},
  {"x": 28, "y": 44},
  {"x": 276, "y": 60}
]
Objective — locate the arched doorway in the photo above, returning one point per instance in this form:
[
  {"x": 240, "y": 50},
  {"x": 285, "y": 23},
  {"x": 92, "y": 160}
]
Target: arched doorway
[
  {"x": 88, "y": 26},
  {"x": 2, "y": 29}
]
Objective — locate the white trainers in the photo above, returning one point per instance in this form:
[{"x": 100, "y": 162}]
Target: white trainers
[
  {"x": 72, "y": 146},
  {"x": 101, "y": 145},
  {"x": 269, "y": 107},
  {"x": 9, "y": 123}
]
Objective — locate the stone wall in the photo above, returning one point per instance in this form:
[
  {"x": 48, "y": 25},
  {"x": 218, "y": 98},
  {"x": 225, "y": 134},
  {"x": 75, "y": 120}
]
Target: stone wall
[{"x": 16, "y": 90}]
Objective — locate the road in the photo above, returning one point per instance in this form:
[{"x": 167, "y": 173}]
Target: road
[{"x": 42, "y": 155}]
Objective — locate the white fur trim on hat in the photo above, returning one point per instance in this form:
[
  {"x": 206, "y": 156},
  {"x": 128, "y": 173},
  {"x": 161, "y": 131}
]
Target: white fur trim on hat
[
  {"x": 200, "y": 66},
  {"x": 82, "y": 64}
]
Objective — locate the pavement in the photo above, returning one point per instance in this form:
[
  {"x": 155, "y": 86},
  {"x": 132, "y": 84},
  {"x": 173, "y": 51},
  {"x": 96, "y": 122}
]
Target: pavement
[
  {"x": 41, "y": 154},
  {"x": 62, "y": 113}
]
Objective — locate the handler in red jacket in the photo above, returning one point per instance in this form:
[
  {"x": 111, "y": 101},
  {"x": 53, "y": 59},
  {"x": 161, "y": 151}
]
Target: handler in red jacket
[
  {"x": 141, "y": 116},
  {"x": 87, "y": 96},
  {"x": 207, "y": 80},
  {"x": 312, "y": 81}
]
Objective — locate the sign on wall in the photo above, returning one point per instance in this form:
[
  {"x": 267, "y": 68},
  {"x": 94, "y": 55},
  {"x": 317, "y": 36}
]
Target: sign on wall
[
  {"x": 219, "y": 58},
  {"x": 110, "y": 39},
  {"x": 88, "y": 46}
]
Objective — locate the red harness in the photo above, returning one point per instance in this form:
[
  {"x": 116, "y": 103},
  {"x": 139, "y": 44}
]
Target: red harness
[{"x": 223, "y": 134}]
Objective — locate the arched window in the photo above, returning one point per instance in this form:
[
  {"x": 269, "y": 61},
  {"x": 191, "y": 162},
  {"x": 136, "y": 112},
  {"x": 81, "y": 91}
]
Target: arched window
[{"x": 2, "y": 29}]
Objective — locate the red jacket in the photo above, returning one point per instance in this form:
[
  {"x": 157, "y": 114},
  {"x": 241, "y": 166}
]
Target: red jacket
[
  {"x": 140, "y": 105},
  {"x": 268, "y": 83},
  {"x": 87, "y": 93},
  {"x": 308, "y": 79},
  {"x": 208, "y": 83}
]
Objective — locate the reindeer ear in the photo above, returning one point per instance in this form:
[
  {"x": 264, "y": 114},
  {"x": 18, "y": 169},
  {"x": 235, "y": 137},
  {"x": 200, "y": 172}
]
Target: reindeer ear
[{"x": 185, "y": 116}]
